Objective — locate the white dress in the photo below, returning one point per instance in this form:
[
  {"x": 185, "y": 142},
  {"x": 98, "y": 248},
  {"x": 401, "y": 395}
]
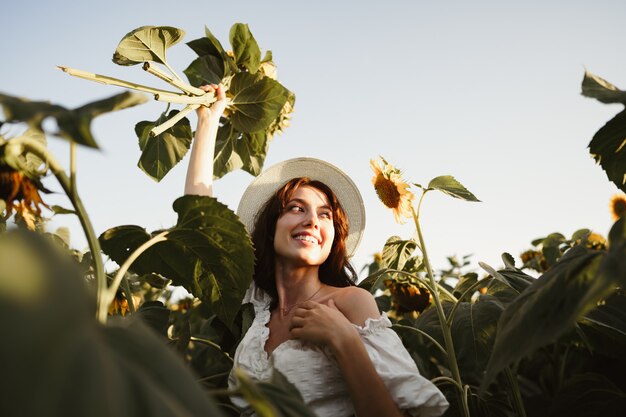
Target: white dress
[{"x": 315, "y": 373}]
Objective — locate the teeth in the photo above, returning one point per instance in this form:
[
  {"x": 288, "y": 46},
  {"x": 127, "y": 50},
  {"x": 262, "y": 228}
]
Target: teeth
[{"x": 307, "y": 238}]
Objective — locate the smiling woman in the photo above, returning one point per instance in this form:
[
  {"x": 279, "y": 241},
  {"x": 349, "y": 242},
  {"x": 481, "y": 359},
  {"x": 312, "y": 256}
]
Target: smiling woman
[{"x": 312, "y": 324}]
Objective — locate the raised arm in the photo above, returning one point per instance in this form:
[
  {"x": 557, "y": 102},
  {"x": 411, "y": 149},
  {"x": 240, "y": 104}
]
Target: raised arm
[{"x": 199, "y": 180}]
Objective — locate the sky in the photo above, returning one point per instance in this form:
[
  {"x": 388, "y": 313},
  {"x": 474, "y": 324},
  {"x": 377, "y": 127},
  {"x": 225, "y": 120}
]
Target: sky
[{"x": 486, "y": 91}]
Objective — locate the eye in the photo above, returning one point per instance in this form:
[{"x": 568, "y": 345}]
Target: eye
[
  {"x": 295, "y": 208},
  {"x": 326, "y": 215}
]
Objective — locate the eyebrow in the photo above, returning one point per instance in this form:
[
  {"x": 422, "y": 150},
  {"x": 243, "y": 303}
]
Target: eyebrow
[{"x": 301, "y": 201}]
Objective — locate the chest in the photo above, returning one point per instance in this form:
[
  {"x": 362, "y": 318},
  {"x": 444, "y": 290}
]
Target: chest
[{"x": 278, "y": 332}]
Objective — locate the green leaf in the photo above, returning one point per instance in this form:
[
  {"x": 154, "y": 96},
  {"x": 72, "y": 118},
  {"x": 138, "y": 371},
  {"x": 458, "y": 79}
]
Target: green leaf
[
  {"x": 165, "y": 258},
  {"x": 32, "y": 163},
  {"x": 147, "y": 43},
  {"x": 605, "y": 326},
  {"x": 74, "y": 125},
  {"x": 473, "y": 331},
  {"x": 207, "y": 69},
  {"x": 555, "y": 300},
  {"x": 217, "y": 237},
  {"x": 608, "y": 148},
  {"x": 285, "y": 396},
  {"x": 162, "y": 152},
  {"x": 245, "y": 47},
  {"x": 234, "y": 150},
  {"x": 254, "y": 396},
  {"x": 448, "y": 185},
  {"x": 257, "y": 101},
  {"x": 602, "y": 90},
  {"x": 589, "y": 395},
  {"x": 207, "y": 45},
  {"x": 397, "y": 252},
  {"x": 61, "y": 210}
]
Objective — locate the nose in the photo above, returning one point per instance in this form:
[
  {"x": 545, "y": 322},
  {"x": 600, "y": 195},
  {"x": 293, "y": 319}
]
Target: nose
[{"x": 311, "y": 220}]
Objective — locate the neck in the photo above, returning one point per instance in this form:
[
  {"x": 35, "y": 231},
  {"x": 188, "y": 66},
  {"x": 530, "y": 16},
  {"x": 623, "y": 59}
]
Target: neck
[{"x": 295, "y": 285}]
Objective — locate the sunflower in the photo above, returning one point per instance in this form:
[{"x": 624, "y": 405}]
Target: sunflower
[
  {"x": 618, "y": 206},
  {"x": 408, "y": 295},
  {"x": 392, "y": 190},
  {"x": 21, "y": 194}
]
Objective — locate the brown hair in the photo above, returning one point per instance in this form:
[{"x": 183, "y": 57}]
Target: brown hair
[{"x": 336, "y": 269}]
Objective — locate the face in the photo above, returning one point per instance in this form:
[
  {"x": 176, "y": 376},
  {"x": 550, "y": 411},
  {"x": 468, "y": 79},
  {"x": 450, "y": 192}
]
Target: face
[{"x": 304, "y": 231}]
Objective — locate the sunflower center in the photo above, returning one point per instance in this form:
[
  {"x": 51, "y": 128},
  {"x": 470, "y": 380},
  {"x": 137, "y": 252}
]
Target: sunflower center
[
  {"x": 619, "y": 207},
  {"x": 387, "y": 191}
]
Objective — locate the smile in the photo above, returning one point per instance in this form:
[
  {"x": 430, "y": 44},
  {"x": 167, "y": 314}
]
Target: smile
[{"x": 307, "y": 238}]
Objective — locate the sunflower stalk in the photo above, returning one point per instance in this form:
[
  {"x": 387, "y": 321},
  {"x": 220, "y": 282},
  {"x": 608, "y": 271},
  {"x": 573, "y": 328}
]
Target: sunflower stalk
[
  {"x": 19, "y": 146},
  {"x": 109, "y": 294},
  {"x": 176, "y": 82},
  {"x": 103, "y": 79},
  {"x": 197, "y": 98},
  {"x": 445, "y": 326},
  {"x": 73, "y": 188},
  {"x": 157, "y": 130}
]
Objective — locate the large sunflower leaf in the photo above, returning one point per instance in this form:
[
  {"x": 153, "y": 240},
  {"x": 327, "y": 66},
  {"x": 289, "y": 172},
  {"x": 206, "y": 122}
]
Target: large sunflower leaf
[
  {"x": 252, "y": 150},
  {"x": 17, "y": 109},
  {"x": 397, "y": 252},
  {"x": 449, "y": 185},
  {"x": 608, "y": 148},
  {"x": 473, "y": 331},
  {"x": 556, "y": 300},
  {"x": 209, "y": 45},
  {"x": 167, "y": 258},
  {"x": 217, "y": 237},
  {"x": 235, "y": 150},
  {"x": 225, "y": 158},
  {"x": 147, "y": 43},
  {"x": 207, "y": 69},
  {"x": 257, "y": 101},
  {"x": 162, "y": 152},
  {"x": 602, "y": 90},
  {"x": 245, "y": 48},
  {"x": 74, "y": 124}
]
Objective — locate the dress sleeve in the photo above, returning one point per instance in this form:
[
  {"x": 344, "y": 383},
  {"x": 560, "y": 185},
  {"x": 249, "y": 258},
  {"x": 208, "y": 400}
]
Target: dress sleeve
[{"x": 411, "y": 391}]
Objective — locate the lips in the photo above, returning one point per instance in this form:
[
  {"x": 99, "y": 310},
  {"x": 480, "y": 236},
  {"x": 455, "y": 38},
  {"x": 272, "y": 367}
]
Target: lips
[{"x": 307, "y": 238}]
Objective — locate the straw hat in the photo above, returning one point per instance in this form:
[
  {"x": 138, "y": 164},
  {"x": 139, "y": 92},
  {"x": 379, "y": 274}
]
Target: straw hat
[{"x": 264, "y": 186}]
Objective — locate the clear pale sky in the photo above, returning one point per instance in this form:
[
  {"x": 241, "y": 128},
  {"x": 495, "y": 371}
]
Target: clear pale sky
[{"x": 486, "y": 91}]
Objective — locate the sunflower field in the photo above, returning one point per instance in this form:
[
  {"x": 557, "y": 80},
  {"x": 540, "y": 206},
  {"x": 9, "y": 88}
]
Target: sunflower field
[{"x": 542, "y": 335}]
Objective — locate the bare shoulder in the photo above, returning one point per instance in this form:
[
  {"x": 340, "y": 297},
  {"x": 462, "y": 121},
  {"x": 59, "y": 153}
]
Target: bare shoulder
[{"x": 356, "y": 304}]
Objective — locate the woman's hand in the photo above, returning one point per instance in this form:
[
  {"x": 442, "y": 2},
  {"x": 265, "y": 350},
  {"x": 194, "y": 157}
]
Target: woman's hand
[
  {"x": 217, "y": 108},
  {"x": 322, "y": 325}
]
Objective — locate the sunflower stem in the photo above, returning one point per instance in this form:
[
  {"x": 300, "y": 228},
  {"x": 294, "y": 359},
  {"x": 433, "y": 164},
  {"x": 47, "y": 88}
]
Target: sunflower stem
[
  {"x": 104, "y": 79},
  {"x": 73, "y": 169},
  {"x": 423, "y": 333},
  {"x": 128, "y": 294},
  {"x": 22, "y": 144},
  {"x": 157, "y": 130},
  {"x": 109, "y": 294},
  {"x": 176, "y": 82},
  {"x": 445, "y": 327}
]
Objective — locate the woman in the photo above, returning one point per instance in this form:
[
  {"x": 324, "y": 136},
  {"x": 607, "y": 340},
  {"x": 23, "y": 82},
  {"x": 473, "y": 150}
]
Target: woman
[{"x": 312, "y": 324}]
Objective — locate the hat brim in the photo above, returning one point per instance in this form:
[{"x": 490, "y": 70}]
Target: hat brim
[{"x": 270, "y": 180}]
